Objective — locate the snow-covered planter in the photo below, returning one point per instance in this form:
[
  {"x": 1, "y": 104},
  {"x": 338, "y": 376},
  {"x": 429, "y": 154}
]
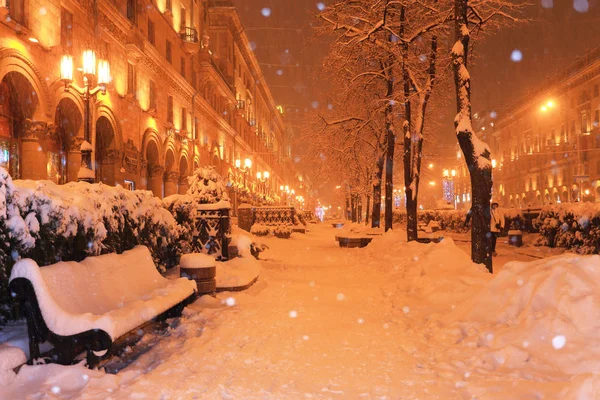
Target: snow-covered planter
[
  {"x": 202, "y": 214},
  {"x": 50, "y": 223},
  {"x": 570, "y": 226},
  {"x": 448, "y": 220}
]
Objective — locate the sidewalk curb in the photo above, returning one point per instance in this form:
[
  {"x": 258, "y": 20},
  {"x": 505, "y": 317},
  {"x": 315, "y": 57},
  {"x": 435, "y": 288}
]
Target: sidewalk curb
[{"x": 237, "y": 288}]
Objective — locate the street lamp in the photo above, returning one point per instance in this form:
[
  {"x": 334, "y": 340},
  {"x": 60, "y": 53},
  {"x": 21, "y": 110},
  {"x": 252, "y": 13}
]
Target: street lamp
[
  {"x": 262, "y": 178},
  {"x": 87, "y": 92},
  {"x": 245, "y": 169}
]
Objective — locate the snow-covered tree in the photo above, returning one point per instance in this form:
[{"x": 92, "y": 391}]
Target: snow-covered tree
[
  {"x": 470, "y": 15},
  {"x": 207, "y": 186}
]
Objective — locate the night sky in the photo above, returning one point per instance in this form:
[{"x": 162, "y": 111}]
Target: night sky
[{"x": 560, "y": 32}]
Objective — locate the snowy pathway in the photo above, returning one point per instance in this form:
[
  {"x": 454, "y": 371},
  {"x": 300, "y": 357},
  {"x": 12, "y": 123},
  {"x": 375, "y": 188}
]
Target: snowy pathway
[{"x": 383, "y": 322}]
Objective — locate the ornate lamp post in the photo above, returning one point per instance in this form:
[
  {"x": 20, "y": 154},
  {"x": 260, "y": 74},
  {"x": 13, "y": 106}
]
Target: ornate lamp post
[
  {"x": 262, "y": 178},
  {"x": 245, "y": 169},
  {"x": 448, "y": 186},
  {"x": 99, "y": 77}
]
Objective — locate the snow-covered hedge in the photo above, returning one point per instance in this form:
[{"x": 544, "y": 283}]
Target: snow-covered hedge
[
  {"x": 571, "y": 226},
  {"x": 454, "y": 220},
  {"x": 449, "y": 220},
  {"x": 50, "y": 223}
]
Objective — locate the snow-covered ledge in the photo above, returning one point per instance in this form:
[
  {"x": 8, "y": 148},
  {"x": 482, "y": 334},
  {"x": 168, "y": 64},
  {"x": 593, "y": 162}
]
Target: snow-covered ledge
[{"x": 112, "y": 293}]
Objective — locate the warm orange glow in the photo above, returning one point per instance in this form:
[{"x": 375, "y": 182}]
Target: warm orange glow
[
  {"x": 104, "y": 77},
  {"x": 33, "y": 40},
  {"x": 89, "y": 62},
  {"x": 453, "y": 173},
  {"x": 494, "y": 163},
  {"x": 238, "y": 163},
  {"x": 258, "y": 175},
  {"x": 446, "y": 173},
  {"x": 543, "y": 108},
  {"x": 266, "y": 175},
  {"x": 66, "y": 68},
  {"x": 248, "y": 163}
]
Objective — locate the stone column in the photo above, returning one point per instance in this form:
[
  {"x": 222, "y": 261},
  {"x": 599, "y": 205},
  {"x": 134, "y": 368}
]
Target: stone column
[
  {"x": 171, "y": 181},
  {"x": 155, "y": 176},
  {"x": 183, "y": 184},
  {"x": 74, "y": 159},
  {"x": 33, "y": 158}
]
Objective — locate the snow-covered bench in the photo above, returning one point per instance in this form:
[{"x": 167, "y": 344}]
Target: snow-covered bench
[{"x": 88, "y": 305}]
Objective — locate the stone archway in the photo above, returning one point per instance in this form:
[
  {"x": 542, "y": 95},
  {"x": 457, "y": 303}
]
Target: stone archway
[
  {"x": 106, "y": 154},
  {"x": 154, "y": 169},
  {"x": 69, "y": 128},
  {"x": 183, "y": 175},
  {"x": 20, "y": 134},
  {"x": 171, "y": 175}
]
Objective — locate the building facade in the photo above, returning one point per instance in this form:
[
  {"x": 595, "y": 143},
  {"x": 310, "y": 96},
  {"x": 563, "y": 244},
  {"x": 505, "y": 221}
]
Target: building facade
[
  {"x": 185, "y": 91},
  {"x": 546, "y": 147}
]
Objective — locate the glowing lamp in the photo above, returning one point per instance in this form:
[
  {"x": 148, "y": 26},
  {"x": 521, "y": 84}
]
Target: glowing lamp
[
  {"x": 103, "y": 72},
  {"x": 494, "y": 163},
  {"x": 89, "y": 62},
  {"x": 287, "y": 188},
  {"x": 453, "y": 173},
  {"x": 258, "y": 175},
  {"x": 66, "y": 69},
  {"x": 446, "y": 173},
  {"x": 266, "y": 175},
  {"x": 238, "y": 163},
  {"x": 248, "y": 163}
]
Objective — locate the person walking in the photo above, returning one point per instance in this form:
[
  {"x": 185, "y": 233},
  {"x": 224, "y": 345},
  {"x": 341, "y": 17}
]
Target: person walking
[{"x": 496, "y": 226}]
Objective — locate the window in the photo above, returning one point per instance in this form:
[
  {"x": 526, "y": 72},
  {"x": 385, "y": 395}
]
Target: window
[
  {"x": 168, "y": 53},
  {"x": 16, "y": 9},
  {"x": 584, "y": 123},
  {"x": 131, "y": 10},
  {"x": 152, "y": 102},
  {"x": 151, "y": 32},
  {"x": 170, "y": 109},
  {"x": 183, "y": 119},
  {"x": 596, "y": 90},
  {"x": 131, "y": 80},
  {"x": 596, "y": 119},
  {"x": 183, "y": 66},
  {"x": 66, "y": 29},
  {"x": 182, "y": 20}
]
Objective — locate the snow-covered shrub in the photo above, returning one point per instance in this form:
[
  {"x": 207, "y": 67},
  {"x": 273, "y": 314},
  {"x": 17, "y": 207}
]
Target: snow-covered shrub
[
  {"x": 207, "y": 186},
  {"x": 260, "y": 230},
  {"x": 282, "y": 230},
  {"x": 570, "y": 226},
  {"x": 448, "y": 220},
  {"x": 51, "y": 223}
]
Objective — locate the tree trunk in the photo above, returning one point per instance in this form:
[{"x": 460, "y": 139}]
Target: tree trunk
[
  {"x": 411, "y": 190},
  {"x": 389, "y": 155},
  {"x": 359, "y": 212},
  {"x": 347, "y": 210},
  {"x": 367, "y": 210},
  {"x": 477, "y": 154},
  {"x": 353, "y": 205},
  {"x": 376, "y": 220}
]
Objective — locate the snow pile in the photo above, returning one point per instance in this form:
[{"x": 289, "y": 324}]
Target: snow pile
[
  {"x": 10, "y": 358},
  {"x": 51, "y": 223},
  {"x": 111, "y": 292},
  {"x": 448, "y": 220},
  {"x": 542, "y": 315},
  {"x": 427, "y": 271},
  {"x": 236, "y": 273}
]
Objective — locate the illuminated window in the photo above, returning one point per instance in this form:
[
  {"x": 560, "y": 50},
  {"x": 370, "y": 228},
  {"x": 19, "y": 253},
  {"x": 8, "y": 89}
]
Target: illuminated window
[
  {"x": 131, "y": 80},
  {"x": 66, "y": 29}
]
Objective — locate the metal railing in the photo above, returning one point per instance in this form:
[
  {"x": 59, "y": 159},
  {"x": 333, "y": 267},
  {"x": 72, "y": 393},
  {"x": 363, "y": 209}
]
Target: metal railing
[{"x": 187, "y": 34}]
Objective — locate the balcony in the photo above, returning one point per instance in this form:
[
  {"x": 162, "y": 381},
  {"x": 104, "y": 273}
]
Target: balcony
[
  {"x": 189, "y": 36},
  {"x": 135, "y": 44}
]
